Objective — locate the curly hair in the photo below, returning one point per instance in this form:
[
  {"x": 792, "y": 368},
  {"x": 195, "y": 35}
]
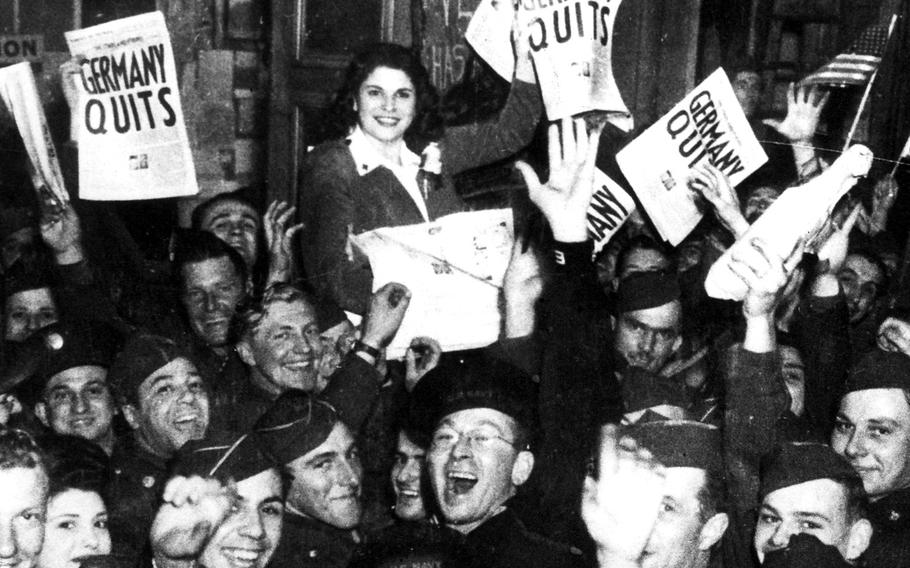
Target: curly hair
[
  {"x": 427, "y": 124},
  {"x": 251, "y": 313}
]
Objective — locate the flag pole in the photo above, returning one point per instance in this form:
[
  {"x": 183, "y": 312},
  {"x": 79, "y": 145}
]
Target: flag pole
[{"x": 866, "y": 93}]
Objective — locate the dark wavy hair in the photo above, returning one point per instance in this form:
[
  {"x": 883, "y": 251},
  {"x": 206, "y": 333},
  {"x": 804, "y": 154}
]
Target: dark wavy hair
[{"x": 427, "y": 125}]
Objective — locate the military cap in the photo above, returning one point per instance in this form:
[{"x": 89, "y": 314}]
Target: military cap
[
  {"x": 474, "y": 381},
  {"x": 681, "y": 443},
  {"x": 643, "y": 389},
  {"x": 223, "y": 456},
  {"x": 26, "y": 275},
  {"x": 142, "y": 355},
  {"x": 296, "y": 424},
  {"x": 69, "y": 344},
  {"x": 799, "y": 462},
  {"x": 646, "y": 290},
  {"x": 879, "y": 369}
]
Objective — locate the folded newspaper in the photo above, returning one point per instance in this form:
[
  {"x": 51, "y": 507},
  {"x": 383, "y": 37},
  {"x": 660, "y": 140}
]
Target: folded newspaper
[
  {"x": 797, "y": 216},
  {"x": 454, "y": 267},
  {"x": 20, "y": 96}
]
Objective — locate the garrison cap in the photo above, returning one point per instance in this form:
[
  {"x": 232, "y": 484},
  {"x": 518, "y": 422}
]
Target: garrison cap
[
  {"x": 681, "y": 443},
  {"x": 879, "y": 369},
  {"x": 224, "y": 456},
  {"x": 296, "y": 424},
  {"x": 799, "y": 462},
  {"x": 26, "y": 275},
  {"x": 142, "y": 355},
  {"x": 646, "y": 290}
]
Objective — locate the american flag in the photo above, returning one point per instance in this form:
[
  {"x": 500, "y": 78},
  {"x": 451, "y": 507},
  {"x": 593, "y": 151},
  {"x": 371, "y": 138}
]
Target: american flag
[{"x": 857, "y": 64}]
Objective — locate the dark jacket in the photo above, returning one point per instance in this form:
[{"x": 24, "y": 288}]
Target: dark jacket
[
  {"x": 504, "y": 542},
  {"x": 136, "y": 483},
  {"x": 335, "y": 197},
  {"x": 890, "y": 518},
  {"x": 307, "y": 543}
]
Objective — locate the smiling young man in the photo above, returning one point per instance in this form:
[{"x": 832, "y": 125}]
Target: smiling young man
[
  {"x": 807, "y": 489},
  {"x": 75, "y": 397},
  {"x": 223, "y": 508},
  {"x": 166, "y": 404},
  {"x": 872, "y": 431},
  {"x": 23, "y": 499}
]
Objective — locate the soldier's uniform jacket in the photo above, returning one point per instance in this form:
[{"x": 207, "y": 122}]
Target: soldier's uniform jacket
[
  {"x": 307, "y": 543},
  {"x": 137, "y": 481},
  {"x": 890, "y": 518}
]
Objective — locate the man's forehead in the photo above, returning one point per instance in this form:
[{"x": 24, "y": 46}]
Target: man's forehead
[
  {"x": 665, "y": 316},
  {"x": 76, "y": 377},
  {"x": 876, "y": 404},
  {"x": 293, "y": 313},
  {"x": 210, "y": 271},
  {"x": 822, "y": 497},
  {"x": 229, "y": 209},
  {"x": 475, "y": 417},
  {"x": 682, "y": 483},
  {"x": 34, "y": 299}
]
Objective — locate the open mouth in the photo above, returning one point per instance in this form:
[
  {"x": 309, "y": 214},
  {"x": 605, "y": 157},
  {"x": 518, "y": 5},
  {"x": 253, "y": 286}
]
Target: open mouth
[
  {"x": 187, "y": 422},
  {"x": 388, "y": 120},
  {"x": 407, "y": 492},
  {"x": 459, "y": 482},
  {"x": 243, "y": 557}
]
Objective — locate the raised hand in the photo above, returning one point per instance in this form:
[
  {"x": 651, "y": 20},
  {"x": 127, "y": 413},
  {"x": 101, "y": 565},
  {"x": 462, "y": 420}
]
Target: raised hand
[
  {"x": 62, "y": 232},
  {"x": 804, "y": 108},
  {"x": 894, "y": 335},
  {"x": 565, "y": 197},
  {"x": 278, "y": 237},
  {"x": 715, "y": 187},
  {"x": 193, "y": 508},
  {"x": 385, "y": 314},
  {"x": 621, "y": 501},
  {"x": 422, "y": 357}
]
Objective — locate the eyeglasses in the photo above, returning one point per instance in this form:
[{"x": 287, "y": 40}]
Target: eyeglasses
[{"x": 478, "y": 440}]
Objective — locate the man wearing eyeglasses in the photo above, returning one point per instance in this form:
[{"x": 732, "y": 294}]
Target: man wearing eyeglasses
[{"x": 482, "y": 418}]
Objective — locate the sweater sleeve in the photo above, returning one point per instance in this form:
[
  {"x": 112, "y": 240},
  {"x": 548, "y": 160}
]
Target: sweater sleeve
[{"x": 478, "y": 144}]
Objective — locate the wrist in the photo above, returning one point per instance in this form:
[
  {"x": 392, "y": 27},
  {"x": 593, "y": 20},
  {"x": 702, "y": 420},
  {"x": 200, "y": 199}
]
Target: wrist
[
  {"x": 369, "y": 353},
  {"x": 575, "y": 234},
  {"x": 70, "y": 255}
]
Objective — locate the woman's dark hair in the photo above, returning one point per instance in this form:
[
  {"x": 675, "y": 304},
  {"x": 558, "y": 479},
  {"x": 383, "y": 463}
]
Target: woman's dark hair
[
  {"x": 74, "y": 463},
  {"x": 427, "y": 125}
]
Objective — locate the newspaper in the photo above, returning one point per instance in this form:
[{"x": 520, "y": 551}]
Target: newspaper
[
  {"x": 797, "y": 217},
  {"x": 489, "y": 33},
  {"x": 571, "y": 45},
  {"x": 707, "y": 125},
  {"x": 132, "y": 137},
  {"x": 610, "y": 206},
  {"x": 454, "y": 267},
  {"x": 20, "y": 96}
]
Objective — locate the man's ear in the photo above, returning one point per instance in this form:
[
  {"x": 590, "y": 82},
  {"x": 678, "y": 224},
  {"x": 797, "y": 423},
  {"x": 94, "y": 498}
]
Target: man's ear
[
  {"x": 613, "y": 323},
  {"x": 677, "y": 343},
  {"x": 713, "y": 530},
  {"x": 131, "y": 415},
  {"x": 858, "y": 539},
  {"x": 246, "y": 354},
  {"x": 521, "y": 469},
  {"x": 41, "y": 413}
]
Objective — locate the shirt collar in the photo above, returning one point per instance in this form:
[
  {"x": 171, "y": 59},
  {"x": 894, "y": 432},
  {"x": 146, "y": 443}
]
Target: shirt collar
[{"x": 367, "y": 158}]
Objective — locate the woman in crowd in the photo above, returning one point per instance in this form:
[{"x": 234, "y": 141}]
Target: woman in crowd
[
  {"x": 76, "y": 523},
  {"x": 384, "y": 115}
]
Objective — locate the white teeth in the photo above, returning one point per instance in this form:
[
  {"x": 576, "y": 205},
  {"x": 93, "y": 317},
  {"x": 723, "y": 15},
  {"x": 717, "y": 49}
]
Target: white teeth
[
  {"x": 461, "y": 475},
  {"x": 409, "y": 493}
]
